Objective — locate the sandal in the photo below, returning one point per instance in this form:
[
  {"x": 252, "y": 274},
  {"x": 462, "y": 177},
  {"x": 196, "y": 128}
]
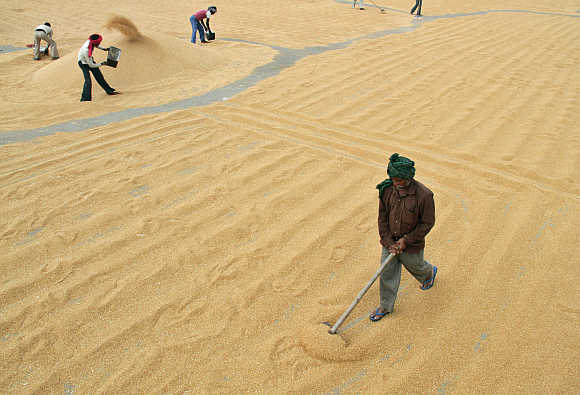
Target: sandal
[
  {"x": 429, "y": 283},
  {"x": 376, "y": 316}
]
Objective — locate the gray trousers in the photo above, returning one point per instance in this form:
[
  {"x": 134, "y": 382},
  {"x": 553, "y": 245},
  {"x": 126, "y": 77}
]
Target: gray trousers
[
  {"x": 391, "y": 276},
  {"x": 38, "y": 36}
]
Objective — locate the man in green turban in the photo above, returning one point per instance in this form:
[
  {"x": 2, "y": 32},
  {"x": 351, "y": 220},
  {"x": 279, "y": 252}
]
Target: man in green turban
[{"x": 406, "y": 215}]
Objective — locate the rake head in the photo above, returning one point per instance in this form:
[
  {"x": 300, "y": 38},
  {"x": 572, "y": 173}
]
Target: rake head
[{"x": 328, "y": 324}]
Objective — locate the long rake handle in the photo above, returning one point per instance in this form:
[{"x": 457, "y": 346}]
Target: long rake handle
[{"x": 360, "y": 295}]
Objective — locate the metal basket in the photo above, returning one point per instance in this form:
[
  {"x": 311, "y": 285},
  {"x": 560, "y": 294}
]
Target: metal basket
[{"x": 113, "y": 56}]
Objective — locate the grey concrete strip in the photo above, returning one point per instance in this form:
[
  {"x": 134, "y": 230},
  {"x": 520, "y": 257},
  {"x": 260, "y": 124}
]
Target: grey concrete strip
[
  {"x": 285, "y": 58},
  {"x": 534, "y": 13},
  {"x": 367, "y": 5},
  {"x": 10, "y": 48}
]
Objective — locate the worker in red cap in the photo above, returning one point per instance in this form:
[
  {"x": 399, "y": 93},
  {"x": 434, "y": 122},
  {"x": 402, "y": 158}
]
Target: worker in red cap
[{"x": 87, "y": 63}]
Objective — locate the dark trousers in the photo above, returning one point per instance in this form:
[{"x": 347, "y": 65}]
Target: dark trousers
[
  {"x": 87, "y": 87},
  {"x": 418, "y": 3}
]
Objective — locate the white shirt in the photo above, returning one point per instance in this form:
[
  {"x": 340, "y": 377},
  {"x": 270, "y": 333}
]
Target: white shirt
[
  {"x": 84, "y": 57},
  {"x": 47, "y": 29}
]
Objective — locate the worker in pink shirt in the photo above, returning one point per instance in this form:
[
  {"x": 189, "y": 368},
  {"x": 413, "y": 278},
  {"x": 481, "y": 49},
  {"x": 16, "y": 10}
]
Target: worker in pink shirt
[{"x": 200, "y": 22}]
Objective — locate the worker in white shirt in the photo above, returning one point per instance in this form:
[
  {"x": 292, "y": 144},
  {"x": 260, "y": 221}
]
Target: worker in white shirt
[
  {"x": 44, "y": 32},
  {"x": 361, "y": 5},
  {"x": 88, "y": 65}
]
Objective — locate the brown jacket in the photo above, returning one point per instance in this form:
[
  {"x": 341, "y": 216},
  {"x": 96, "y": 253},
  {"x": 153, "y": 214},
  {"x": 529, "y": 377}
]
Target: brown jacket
[{"x": 409, "y": 213}]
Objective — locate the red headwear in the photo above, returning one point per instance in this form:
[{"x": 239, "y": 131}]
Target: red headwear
[{"x": 94, "y": 41}]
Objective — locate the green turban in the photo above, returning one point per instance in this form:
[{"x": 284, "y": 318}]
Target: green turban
[{"x": 399, "y": 167}]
